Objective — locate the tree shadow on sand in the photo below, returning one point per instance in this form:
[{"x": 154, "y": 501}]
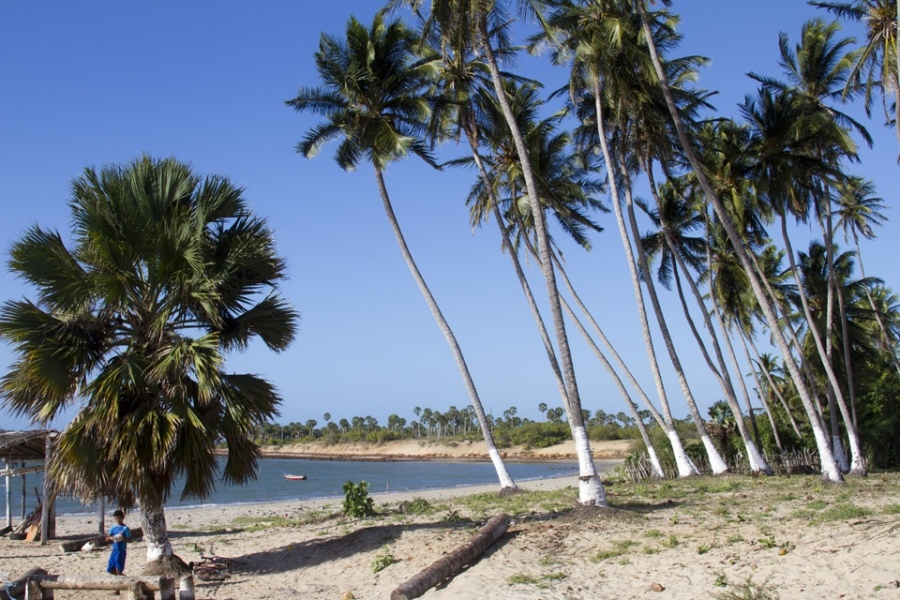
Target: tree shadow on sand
[{"x": 313, "y": 552}]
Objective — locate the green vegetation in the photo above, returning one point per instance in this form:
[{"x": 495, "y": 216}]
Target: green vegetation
[
  {"x": 384, "y": 559},
  {"x": 357, "y": 502}
]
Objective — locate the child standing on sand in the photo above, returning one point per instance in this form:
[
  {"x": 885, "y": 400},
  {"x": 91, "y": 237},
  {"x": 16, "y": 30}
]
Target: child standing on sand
[{"x": 119, "y": 535}]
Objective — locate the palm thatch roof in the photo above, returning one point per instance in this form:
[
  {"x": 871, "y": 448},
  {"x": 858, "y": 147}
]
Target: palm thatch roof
[{"x": 24, "y": 445}]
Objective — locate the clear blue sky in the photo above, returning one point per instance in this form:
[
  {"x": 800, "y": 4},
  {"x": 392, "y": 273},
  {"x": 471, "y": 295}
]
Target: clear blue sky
[{"x": 102, "y": 81}]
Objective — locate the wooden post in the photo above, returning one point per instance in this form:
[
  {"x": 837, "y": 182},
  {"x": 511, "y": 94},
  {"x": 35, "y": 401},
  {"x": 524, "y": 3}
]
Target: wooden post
[
  {"x": 186, "y": 588},
  {"x": 101, "y": 518},
  {"x": 6, "y": 467},
  {"x": 47, "y": 507},
  {"x": 33, "y": 591},
  {"x": 167, "y": 589},
  {"x": 24, "y": 488}
]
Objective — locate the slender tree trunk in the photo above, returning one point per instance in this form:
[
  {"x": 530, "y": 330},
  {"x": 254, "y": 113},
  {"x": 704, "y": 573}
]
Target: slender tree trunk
[
  {"x": 506, "y": 481},
  {"x": 669, "y": 428},
  {"x": 507, "y": 247},
  {"x": 829, "y": 469},
  {"x": 856, "y": 466},
  {"x": 716, "y": 462},
  {"x": 759, "y": 386},
  {"x": 658, "y": 471},
  {"x": 682, "y": 462},
  {"x": 888, "y": 347},
  {"x": 590, "y": 488}
]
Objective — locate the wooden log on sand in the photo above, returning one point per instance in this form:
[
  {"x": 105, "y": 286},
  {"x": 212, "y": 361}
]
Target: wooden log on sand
[
  {"x": 99, "y": 540},
  {"x": 451, "y": 563}
]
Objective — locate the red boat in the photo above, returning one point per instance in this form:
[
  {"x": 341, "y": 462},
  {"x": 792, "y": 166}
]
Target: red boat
[{"x": 295, "y": 477}]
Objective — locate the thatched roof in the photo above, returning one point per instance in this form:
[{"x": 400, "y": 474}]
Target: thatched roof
[{"x": 23, "y": 445}]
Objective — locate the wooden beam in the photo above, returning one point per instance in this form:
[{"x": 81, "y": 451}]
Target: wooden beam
[{"x": 15, "y": 472}]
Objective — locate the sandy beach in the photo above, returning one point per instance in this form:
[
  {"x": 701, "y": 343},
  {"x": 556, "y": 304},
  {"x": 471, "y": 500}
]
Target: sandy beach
[{"x": 788, "y": 537}]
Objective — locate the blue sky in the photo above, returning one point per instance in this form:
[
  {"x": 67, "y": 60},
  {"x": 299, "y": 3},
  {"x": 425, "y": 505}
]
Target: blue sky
[{"x": 98, "y": 82}]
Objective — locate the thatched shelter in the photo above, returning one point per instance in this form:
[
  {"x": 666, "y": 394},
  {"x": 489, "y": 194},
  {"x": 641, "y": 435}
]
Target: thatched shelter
[{"x": 28, "y": 447}]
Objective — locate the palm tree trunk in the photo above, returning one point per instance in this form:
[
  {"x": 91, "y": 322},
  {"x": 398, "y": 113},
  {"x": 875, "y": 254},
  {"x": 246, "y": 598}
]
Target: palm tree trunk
[
  {"x": 506, "y": 481},
  {"x": 669, "y": 428},
  {"x": 156, "y": 533},
  {"x": 472, "y": 136},
  {"x": 683, "y": 463},
  {"x": 651, "y": 450},
  {"x": 829, "y": 469},
  {"x": 856, "y": 466},
  {"x": 590, "y": 488},
  {"x": 716, "y": 462},
  {"x": 885, "y": 338}
]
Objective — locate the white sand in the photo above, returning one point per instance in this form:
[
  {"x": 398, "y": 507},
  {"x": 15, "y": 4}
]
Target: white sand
[{"x": 693, "y": 539}]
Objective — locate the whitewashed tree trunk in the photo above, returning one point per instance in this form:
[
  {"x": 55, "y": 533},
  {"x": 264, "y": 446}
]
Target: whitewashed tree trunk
[
  {"x": 573, "y": 407},
  {"x": 829, "y": 470},
  {"x": 683, "y": 469},
  {"x": 506, "y": 481},
  {"x": 590, "y": 489},
  {"x": 156, "y": 533}
]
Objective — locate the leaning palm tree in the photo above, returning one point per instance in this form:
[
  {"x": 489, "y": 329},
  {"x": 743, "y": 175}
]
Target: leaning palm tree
[
  {"x": 373, "y": 98},
  {"x": 473, "y": 24},
  {"x": 829, "y": 469},
  {"x": 167, "y": 272}
]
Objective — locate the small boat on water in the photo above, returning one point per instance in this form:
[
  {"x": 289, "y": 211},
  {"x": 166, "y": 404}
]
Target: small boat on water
[{"x": 294, "y": 477}]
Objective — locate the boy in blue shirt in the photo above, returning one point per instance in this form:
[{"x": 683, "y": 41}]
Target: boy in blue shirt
[{"x": 119, "y": 535}]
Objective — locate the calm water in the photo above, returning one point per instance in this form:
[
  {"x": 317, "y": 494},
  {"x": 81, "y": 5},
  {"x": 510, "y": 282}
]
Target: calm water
[{"x": 325, "y": 479}]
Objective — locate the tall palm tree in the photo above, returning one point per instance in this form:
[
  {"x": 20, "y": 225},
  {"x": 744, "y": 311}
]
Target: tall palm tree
[
  {"x": 593, "y": 38},
  {"x": 816, "y": 69},
  {"x": 167, "y": 272},
  {"x": 877, "y": 66},
  {"x": 473, "y": 24},
  {"x": 373, "y": 98},
  {"x": 858, "y": 211},
  {"x": 829, "y": 469}
]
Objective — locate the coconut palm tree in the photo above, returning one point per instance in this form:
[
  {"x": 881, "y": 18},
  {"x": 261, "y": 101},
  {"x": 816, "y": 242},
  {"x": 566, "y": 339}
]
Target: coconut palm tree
[
  {"x": 373, "y": 98},
  {"x": 877, "y": 65},
  {"x": 829, "y": 469},
  {"x": 858, "y": 211},
  {"x": 815, "y": 71},
  {"x": 592, "y": 38},
  {"x": 474, "y": 24},
  {"x": 166, "y": 273}
]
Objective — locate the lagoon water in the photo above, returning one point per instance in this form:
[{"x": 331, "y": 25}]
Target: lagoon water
[{"x": 325, "y": 479}]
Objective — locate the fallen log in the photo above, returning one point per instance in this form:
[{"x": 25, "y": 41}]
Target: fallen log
[
  {"x": 99, "y": 540},
  {"x": 451, "y": 563},
  {"x": 16, "y": 588}
]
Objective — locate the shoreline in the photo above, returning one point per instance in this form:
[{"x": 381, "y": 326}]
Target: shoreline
[{"x": 436, "y": 450}]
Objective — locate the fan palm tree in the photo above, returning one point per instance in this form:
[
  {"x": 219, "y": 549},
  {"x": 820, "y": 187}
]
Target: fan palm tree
[
  {"x": 167, "y": 272},
  {"x": 373, "y": 98}
]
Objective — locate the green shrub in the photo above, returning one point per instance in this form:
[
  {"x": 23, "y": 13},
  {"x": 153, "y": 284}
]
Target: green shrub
[{"x": 357, "y": 502}]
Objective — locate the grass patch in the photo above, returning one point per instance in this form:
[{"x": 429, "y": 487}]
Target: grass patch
[
  {"x": 619, "y": 548},
  {"x": 748, "y": 590},
  {"x": 844, "y": 511}
]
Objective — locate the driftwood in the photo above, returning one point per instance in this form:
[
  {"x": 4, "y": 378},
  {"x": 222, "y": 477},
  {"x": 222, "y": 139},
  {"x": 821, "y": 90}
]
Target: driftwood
[
  {"x": 454, "y": 561},
  {"x": 99, "y": 540}
]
